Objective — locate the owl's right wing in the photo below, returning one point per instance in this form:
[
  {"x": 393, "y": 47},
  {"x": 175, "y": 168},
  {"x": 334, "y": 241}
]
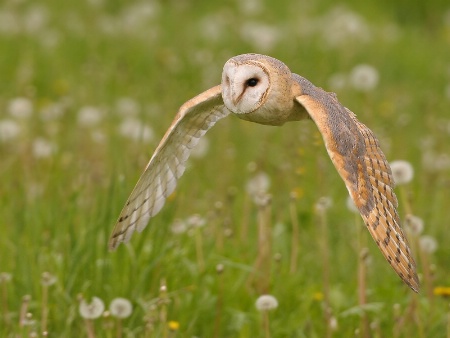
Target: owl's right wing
[{"x": 168, "y": 163}]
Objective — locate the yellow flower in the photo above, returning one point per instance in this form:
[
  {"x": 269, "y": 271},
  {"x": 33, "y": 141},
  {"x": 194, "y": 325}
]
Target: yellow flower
[
  {"x": 318, "y": 296},
  {"x": 173, "y": 325},
  {"x": 443, "y": 291},
  {"x": 297, "y": 193}
]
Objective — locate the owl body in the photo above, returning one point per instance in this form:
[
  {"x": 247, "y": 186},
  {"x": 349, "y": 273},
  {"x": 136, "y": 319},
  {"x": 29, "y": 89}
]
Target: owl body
[{"x": 262, "y": 89}]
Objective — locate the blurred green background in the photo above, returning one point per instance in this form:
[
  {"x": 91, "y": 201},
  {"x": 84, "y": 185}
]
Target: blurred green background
[{"x": 87, "y": 89}]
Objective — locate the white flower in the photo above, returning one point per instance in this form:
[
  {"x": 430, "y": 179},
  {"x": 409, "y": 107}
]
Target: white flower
[
  {"x": 48, "y": 279},
  {"x": 52, "y": 111},
  {"x": 135, "y": 130},
  {"x": 43, "y": 148},
  {"x": 337, "y": 81},
  {"x": 402, "y": 171},
  {"x": 266, "y": 303},
  {"x": 89, "y": 116},
  {"x": 333, "y": 323},
  {"x": 138, "y": 15},
  {"x": 428, "y": 244},
  {"x": 324, "y": 203},
  {"x": 127, "y": 107},
  {"x": 447, "y": 92},
  {"x": 5, "y": 277},
  {"x": 35, "y": 18},
  {"x": 262, "y": 199},
  {"x": 196, "y": 221},
  {"x": 351, "y": 205},
  {"x": 364, "y": 78},
  {"x": 120, "y": 308},
  {"x": 9, "y": 130},
  {"x": 20, "y": 107},
  {"x": 219, "y": 268},
  {"x": 91, "y": 310},
  {"x": 261, "y": 36},
  {"x": 258, "y": 184},
  {"x": 414, "y": 223},
  {"x": 435, "y": 162},
  {"x": 250, "y": 7},
  {"x": 9, "y": 21},
  {"x": 178, "y": 227},
  {"x": 341, "y": 25}
]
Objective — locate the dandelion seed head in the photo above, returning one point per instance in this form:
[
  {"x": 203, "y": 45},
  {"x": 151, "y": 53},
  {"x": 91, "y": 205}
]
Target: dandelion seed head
[
  {"x": 228, "y": 232},
  {"x": 212, "y": 27},
  {"x": 178, "y": 227},
  {"x": 428, "y": 244},
  {"x": 402, "y": 171},
  {"x": 53, "y": 111},
  {"x": 323, "y": 204},
  {"x": 258, "y": 184},
  {"x": 43, "y": 148},
  {"x": 48, "y": 279},
  {"x": 266, "y": 303},
  {"x": 351, "y": 205},
  {"x": 89, "y": 116},
  {"x": 337, "y": 81},
  {"x": 9, "y": 130},
  {"x": 333, "y": 323},
  {"x": 219, "y": 268},
  {"x": 447, "y": 92},
  {"x": 196, "y": 221},
  {"x": 91, "y": 310},
  {"x": 120, "y": 308},
  {"x": 28, "y": 320},
  {"x": 414, "y": 223},
  {"x": 250, "y": 7},
  {"x": 35, "y": 19},
  {"x": 340, "y": 25},
  {"x": 5, "y": 277},
  {"x": 364, "y": 78},
  {"x": 9, "y": 22},
  {"x": 262, "y": 36},
  {"x": 262, "y": 199},
  {"x": 135, "y": 130},
  {"x": 127, "y": 107},
  {"x": 20, "y": 108}
]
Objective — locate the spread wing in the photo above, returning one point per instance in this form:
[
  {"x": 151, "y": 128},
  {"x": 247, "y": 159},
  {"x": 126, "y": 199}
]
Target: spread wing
[
  {"x": 168, "y": 162},
  {"x": 356, "y": 154}
]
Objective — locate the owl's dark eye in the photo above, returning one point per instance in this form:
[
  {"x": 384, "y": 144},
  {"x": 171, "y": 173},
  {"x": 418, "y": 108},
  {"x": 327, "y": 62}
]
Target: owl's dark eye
[{"x": 252, "y": 82}]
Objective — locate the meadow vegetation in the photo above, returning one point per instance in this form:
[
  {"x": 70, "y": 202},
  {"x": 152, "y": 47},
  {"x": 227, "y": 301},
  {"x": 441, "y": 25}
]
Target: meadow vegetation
[{"x": 258, "y": 240}]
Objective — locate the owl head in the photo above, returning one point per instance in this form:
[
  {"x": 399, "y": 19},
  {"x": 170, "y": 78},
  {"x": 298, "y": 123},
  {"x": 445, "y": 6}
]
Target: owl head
[{"x": 257, "y": 87}]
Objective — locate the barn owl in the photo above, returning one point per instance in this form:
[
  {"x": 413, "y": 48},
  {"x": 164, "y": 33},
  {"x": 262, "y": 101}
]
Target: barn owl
[{"x": 262, "y": 89}]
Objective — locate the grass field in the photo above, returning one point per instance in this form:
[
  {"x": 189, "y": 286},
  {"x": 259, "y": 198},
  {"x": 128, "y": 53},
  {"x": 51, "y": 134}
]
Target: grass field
[{"x": 88, "y": 88}]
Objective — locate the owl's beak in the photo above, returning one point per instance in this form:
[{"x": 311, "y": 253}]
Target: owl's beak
[
  {"x": 236, "y": 93},
  {"x": 236, "y": 97}
]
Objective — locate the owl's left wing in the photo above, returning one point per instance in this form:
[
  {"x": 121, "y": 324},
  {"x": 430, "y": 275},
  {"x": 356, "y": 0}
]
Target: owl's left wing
[
  {"x": 168, "y": 162},
  {"x": 356, "y": 154}
]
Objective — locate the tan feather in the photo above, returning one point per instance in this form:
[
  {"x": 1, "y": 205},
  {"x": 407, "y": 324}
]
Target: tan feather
[
  {"x": 356, "y": 154},
  {"x": 168, "y": 162}
]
